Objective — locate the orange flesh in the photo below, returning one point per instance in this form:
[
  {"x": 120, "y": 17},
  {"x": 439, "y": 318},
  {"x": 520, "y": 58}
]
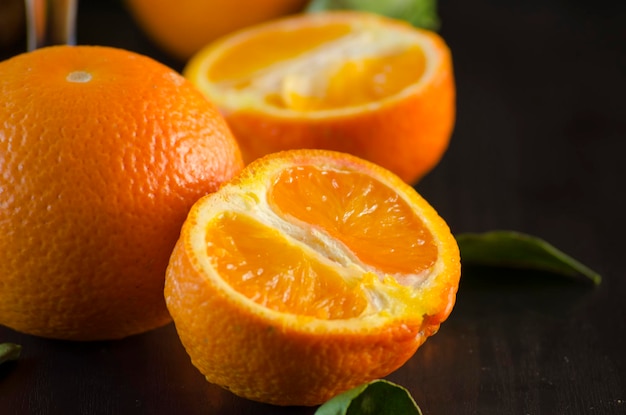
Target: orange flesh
[
  {"x": 280, "y": 276},
  {"x": 361, "y": 81},
  {"x": 366, "y": 216},
  {"x": 356, "y": 81},
  {"x": 373, "y": 223},
  {"x": 265, "y": 49}
]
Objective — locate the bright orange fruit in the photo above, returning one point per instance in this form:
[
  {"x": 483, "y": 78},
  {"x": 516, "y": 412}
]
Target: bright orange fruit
[
  {"x": 102, "y": 153},
  {"x": 182, "y": 27},
  {"x": 308, "y": 274},
  {"x": 346, "y": 81}
]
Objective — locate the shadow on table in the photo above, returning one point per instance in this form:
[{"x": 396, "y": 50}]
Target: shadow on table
[{"x": 486, "y": 290}]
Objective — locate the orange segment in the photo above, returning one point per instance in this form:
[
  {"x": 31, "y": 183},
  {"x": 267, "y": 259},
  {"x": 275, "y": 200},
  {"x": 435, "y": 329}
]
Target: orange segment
[
  {"x": 346, "y": 81},
  {"x": 245, "y": 59},
  {"x": 357, "y": 82},
  {"x": 372, "y": 220},
  {"x": 314, "y": 272},
  {"x": 280, "y": 276}
]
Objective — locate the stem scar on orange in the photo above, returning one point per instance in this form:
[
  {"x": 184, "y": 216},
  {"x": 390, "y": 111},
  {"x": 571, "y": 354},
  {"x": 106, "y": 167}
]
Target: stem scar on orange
[
  {"x": 308, "y": 274},
  {"x": 102, "y": 153},
  {"x": 347, "y": 81}
]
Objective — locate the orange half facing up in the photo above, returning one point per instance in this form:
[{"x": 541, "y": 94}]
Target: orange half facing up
[
  {"x": 310, "y": 273},
  {"x": 347, "y": 81}
]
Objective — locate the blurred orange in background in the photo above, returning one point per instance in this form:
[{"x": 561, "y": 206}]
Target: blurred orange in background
[{"x": 182, "y": 27}]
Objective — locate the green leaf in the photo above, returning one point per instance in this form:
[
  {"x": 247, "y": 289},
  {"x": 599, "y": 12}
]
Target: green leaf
[
  {"x": 420, "y": 13},
  {"x": 9, "y": 351},
  {"x": 379, "y": 397},
  {"x": 519, "y": 250}
]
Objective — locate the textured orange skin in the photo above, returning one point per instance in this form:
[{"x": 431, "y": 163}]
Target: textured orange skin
[
  {"x": 281, "y": 362},
  {"x": 182, "y": 27},
  {"x": 407, "y": 135},
  {"x": 96, "y": 180},
  {"x": 283, "y": 365}
]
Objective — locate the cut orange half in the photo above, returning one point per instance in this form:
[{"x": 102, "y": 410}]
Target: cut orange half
[
  {"x": 310, "y": 273},
  {"x": 347, "y": 81}
]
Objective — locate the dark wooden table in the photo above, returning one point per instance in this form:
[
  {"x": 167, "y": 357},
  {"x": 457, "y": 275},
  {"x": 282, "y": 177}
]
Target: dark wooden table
[{"x": 539, "y": 147}]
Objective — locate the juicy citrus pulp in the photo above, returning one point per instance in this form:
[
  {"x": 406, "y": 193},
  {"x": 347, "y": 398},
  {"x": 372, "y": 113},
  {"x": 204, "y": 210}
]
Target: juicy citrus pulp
[
  {"x": 347, "y": 81},
  {"x": 326, "y": 67},
  {"x": 318, "y": 266}
]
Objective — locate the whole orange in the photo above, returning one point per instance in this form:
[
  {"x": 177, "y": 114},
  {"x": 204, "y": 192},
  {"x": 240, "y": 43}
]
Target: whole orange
[
  {"x": 182, "y": 27},
  {"x": 102, "y": 153}
]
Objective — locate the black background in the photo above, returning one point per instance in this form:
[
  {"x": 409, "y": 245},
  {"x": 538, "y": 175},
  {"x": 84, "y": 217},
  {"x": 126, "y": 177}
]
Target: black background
[{"x": 538, "y": 147}]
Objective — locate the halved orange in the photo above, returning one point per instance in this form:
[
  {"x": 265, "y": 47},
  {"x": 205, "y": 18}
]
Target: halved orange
[
  {"x": 347, "y": 81},
  {"x": 310, "y": 273}
]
